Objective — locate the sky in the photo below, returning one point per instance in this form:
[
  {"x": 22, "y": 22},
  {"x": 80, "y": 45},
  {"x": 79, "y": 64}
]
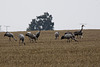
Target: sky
[{"x": 67, "y": 14}]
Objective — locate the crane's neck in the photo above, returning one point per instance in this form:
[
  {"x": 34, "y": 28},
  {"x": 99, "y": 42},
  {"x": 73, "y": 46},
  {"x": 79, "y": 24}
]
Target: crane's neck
[{"x": 81, "y": 28}]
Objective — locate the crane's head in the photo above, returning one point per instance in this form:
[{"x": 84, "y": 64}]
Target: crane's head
[{"x": 82, "y": 25}]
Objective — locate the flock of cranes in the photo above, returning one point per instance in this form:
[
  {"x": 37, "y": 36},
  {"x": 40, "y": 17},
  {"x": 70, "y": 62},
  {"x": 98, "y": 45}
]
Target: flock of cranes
[
  {"x": 22, "y": 37},
  {"x": 70, "y": 35},
  {"x": 67, "y": 35}
]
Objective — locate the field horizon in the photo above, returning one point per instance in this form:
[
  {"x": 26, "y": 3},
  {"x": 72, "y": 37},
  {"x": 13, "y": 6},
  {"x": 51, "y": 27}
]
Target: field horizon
[{"x": 48, "y": 52}]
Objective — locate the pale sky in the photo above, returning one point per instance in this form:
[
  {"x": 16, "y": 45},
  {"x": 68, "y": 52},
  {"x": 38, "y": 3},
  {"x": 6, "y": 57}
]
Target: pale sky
[{"x": 67, "y": 14}]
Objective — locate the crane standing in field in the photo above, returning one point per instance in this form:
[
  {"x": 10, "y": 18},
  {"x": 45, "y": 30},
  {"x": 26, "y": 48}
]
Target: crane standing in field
[
  {"x": 8, "y": 34},
  {"x": 56, "y": 35},
  {"x": 79, "y": 33},
  {"x": 68, "y": 36},
  {"x": 21, "y": 38},
  {"x": 31, "y": 36}
]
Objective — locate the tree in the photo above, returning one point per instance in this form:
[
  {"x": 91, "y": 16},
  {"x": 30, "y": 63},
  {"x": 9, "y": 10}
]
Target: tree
[{"x": 43, "y": 22}]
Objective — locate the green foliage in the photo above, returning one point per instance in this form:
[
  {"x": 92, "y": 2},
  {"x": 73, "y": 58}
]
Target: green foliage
[{"x": 42, "y": 22}]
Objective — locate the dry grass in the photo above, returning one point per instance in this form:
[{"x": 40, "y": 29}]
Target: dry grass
[{"x": 48, "y": 52}]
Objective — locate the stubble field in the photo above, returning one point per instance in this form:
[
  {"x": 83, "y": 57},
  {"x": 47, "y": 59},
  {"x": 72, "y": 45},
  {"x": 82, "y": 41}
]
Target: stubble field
[{"x": 48, "y": 52}]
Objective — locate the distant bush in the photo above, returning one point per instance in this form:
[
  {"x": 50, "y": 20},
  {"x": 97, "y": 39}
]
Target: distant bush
[{"x": 42, "y": 22}]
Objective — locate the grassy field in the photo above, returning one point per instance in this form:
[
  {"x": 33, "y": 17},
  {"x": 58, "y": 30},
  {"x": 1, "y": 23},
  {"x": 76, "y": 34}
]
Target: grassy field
[{"x": 48, "y": 52}]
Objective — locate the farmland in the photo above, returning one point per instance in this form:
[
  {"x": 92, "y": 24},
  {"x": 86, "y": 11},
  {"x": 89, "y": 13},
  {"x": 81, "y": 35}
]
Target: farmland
[{"x": 48, "y": 52}]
